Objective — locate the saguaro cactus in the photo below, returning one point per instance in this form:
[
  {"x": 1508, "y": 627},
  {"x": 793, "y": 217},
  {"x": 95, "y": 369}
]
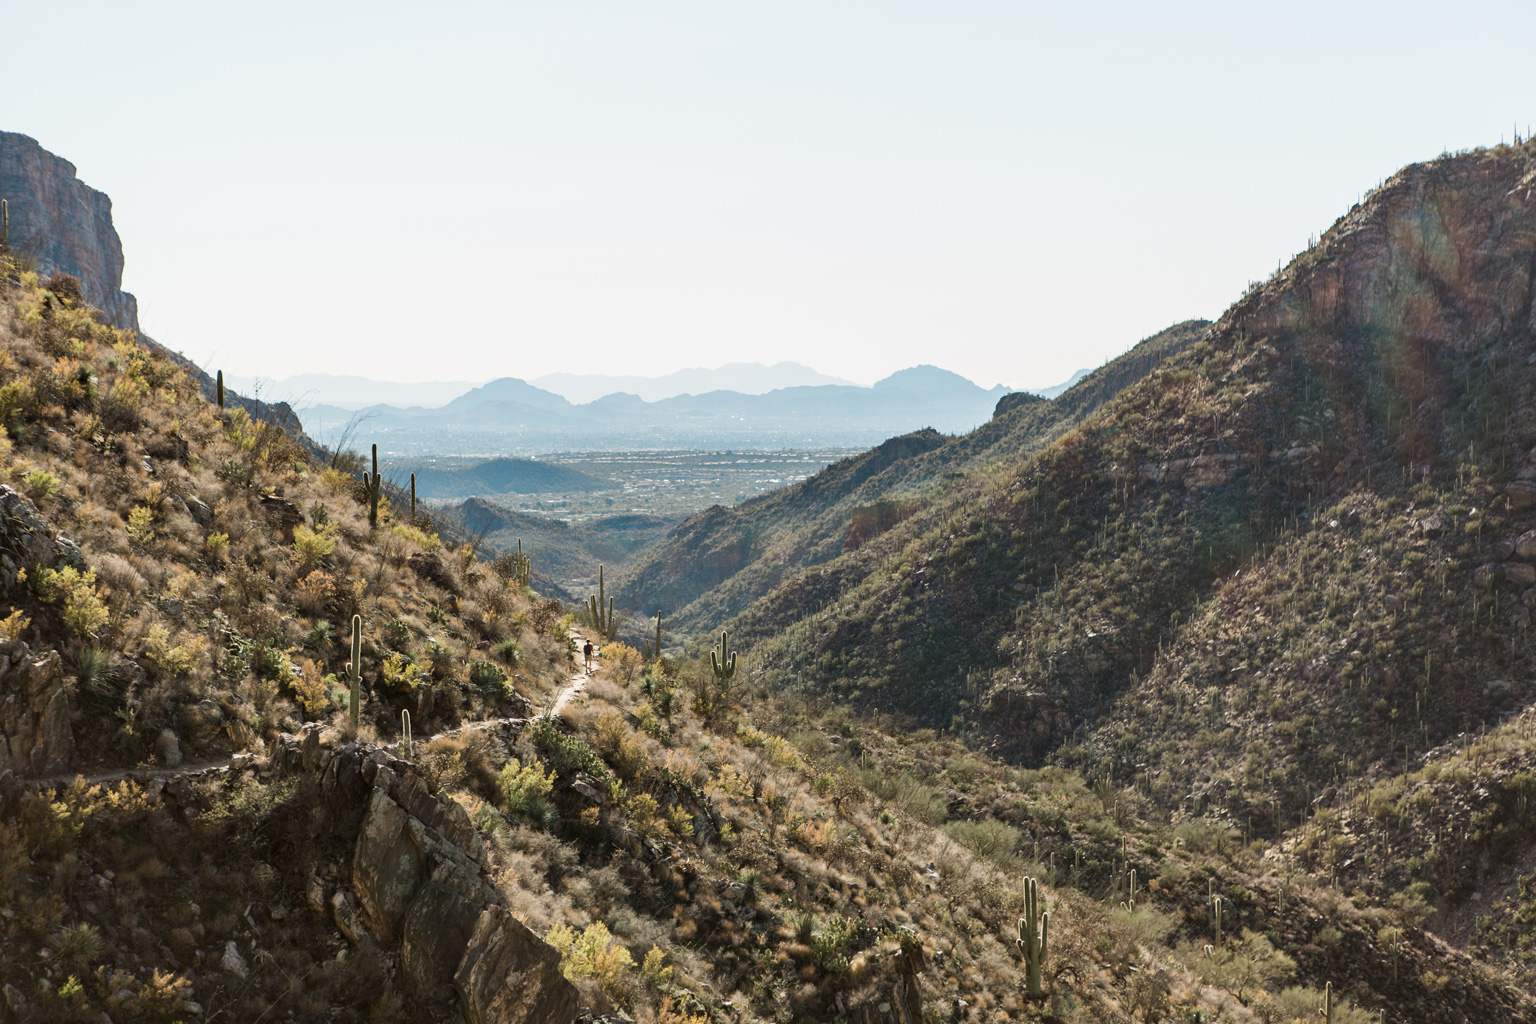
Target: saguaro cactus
[
  {"x": 355, "y": 670},
  {"x": 405, "y": 732},
  {"x": 1327, "y": 1007},
  {"x": 724, "y": 664},
  {"x": 413, "y": 497},
  {"x": 374, "y": 484},
  {"x": 522, "y": 570},
  {"x": 1034, "y": 933},
  {"x": 5, "y": 223},
  {"x": 658, "y": 636},
  {"x": 218, "y": 388},
  {"x": 600, "y": 614}
]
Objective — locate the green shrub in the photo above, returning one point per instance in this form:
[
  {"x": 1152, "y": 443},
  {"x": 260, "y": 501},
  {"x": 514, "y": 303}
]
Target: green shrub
[
  {"x": 312, "y": 547},
  {"x": 40, "y": 484},
  {"x": 75, "y": 592}
]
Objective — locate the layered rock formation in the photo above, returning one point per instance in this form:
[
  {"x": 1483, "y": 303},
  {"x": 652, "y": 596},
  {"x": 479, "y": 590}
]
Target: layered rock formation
[{"x": 65, "y": 225}]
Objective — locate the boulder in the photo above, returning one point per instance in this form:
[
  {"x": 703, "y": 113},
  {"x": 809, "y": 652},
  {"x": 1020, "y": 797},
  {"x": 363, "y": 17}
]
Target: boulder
[
  {"x": 345, "y": 916},
  {"x": 1525, "y": 544},
  {"x": 283, "y": 514},
  {"x": 430, "y": 568},
  {"x": 1520, "y": 573},
  {"x": 1522, "y": 493},
  {"x": 509, "y": 976}
]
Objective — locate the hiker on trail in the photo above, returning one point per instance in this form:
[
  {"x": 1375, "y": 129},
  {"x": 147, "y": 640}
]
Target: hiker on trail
[{"x": 587, "y": 650}]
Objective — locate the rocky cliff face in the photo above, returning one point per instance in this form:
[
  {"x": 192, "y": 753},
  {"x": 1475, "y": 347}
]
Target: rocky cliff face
[{"x": 64, "y": 224}]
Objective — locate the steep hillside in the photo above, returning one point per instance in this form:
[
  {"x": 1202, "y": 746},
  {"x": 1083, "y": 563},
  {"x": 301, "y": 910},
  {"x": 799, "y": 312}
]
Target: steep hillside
[
  {"x": 1294, "y": 556},
  {"x": 717, "y": 563}
]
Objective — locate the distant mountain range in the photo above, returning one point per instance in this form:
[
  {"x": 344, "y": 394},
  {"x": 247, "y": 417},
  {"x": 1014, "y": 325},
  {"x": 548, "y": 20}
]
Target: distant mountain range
[
  {"x": 512, "y": 416},
  {"x": 744, "y": 378}
]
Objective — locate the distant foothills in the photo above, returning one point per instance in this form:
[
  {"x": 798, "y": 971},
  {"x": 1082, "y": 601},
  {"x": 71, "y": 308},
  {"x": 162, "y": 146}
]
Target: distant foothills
[{"x": 740, "y": 405}]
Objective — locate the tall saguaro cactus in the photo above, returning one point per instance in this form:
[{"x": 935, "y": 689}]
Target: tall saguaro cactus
[
  {"x": 219, "y": 388},
  {"x": 405, "y": 733},
  {"x": 1327, "y": 1007},
  {"x": 724, "y": 665},
  {"x": 5, "y": 223},
  {"x": 600, "y": 614},
  {"x": 658, "y": 636},
  {"x": 374, "y": 485},
  {"x": 413, "y": 497},
  {"x": 1034, "y": 933},
  {"x": 355, "y": 670}
]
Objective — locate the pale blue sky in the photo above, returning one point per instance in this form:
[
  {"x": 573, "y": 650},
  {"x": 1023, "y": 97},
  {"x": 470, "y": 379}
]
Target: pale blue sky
[{"x": 458, "y": 190}]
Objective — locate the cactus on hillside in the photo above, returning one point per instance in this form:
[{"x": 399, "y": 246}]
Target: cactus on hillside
[
  {"x": 355, "y": 670},
  {"x": 724, "y": 664},
  {"x": 5, "y": 223},
  {"x": 374, "y": 486},
  {"x": 658, "y": 636},
  {"x": 405, "y": 733},
  {"x": 1034, "y": 932},
  {"x": 413, "y": 497},
  {"x": 1327, "y": 1007},
  {"x": 599, "y": 614},
  {"x": 219, "y": 388}
]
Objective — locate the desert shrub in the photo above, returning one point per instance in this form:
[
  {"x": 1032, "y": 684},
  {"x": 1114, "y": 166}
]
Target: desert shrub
[
  {"x": 399, "y": 673},
  {"x": 623, "y": 661},
  {"x": 173, "y": 659},
  {"x": 568, "y": 754},
  {"x": 217, "y": 546},
  {"x": 40, "y": 484},
  {"x": 989, "y": 839},
  {"x": 422, "y": 539},
  {"x": 311, "y": 547},
  {"x": 315, "y": 592},
  {"x": 619, "y": 746},
  {"x": 592, "y": 954},
  {"x": 75, "y": 592},
  {"x": 525, "y": 790},
  {"x": 141, "y": 525}
]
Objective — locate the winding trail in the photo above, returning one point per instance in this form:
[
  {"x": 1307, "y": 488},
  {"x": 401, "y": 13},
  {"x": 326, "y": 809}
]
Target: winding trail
[{"x": 572, "y": 689}]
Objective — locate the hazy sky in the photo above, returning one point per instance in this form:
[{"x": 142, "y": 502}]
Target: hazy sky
[{"x": 457, "y": 190}]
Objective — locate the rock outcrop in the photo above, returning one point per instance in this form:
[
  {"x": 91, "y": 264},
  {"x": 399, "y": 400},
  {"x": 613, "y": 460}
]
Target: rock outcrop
[
  {"x": 421, "y": 882},
  {"x": 35, "y": 711},
  {"x": 35, "y": 737},
  {"x": 65, "y": 225}
]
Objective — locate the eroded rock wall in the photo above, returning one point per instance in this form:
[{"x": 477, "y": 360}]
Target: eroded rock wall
[{"x": 65, "y": 225}]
